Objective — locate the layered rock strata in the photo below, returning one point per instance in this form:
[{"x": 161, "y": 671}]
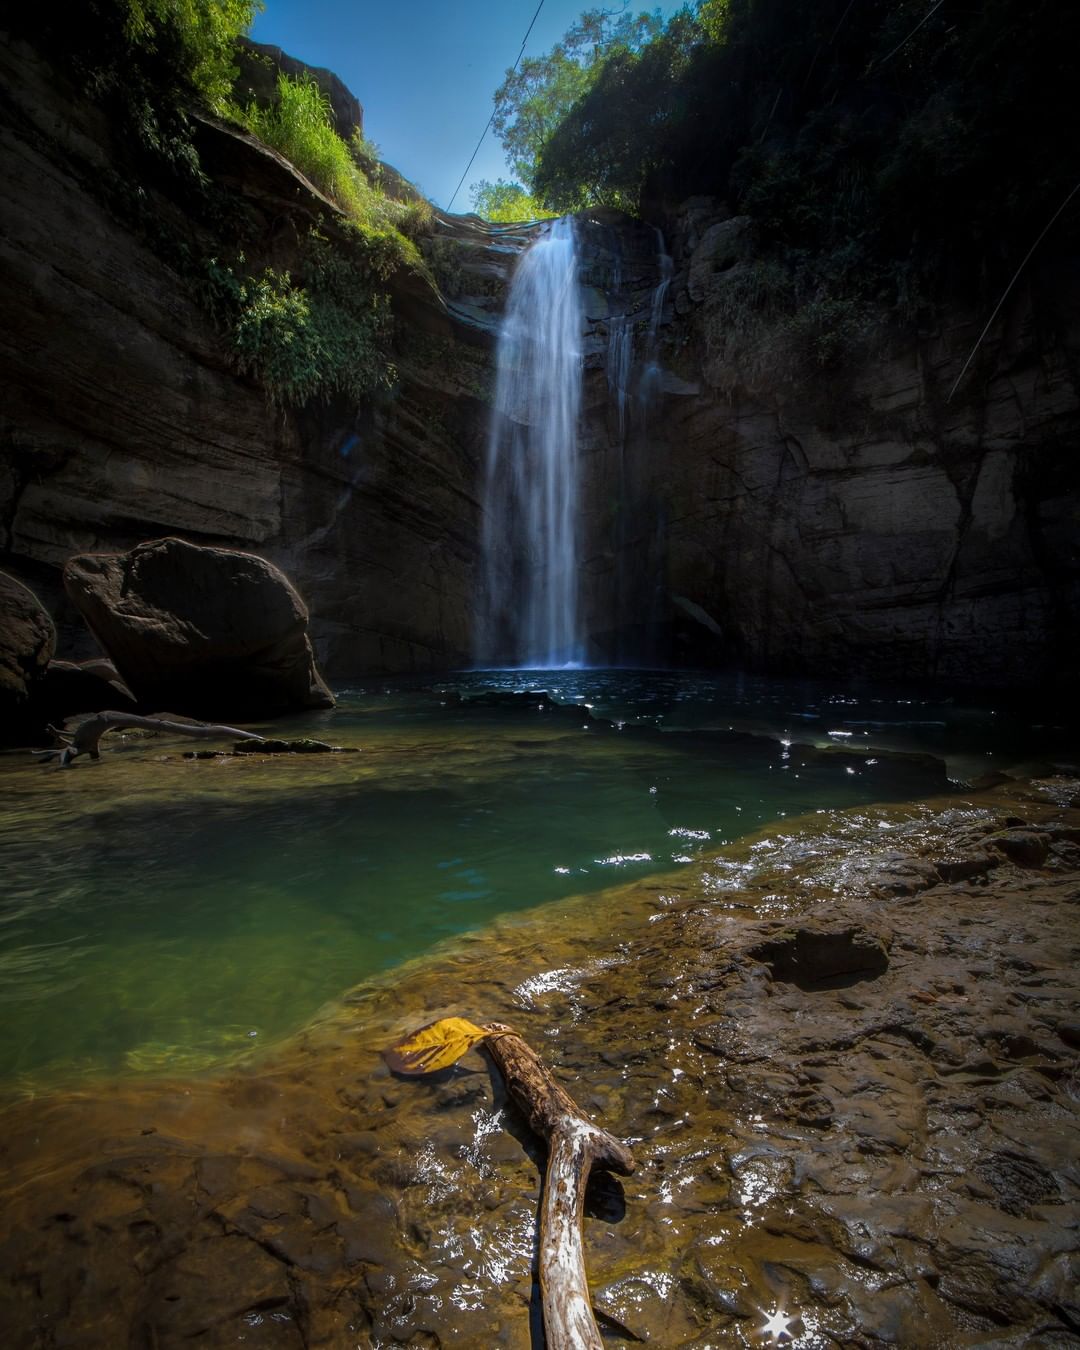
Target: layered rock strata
[
  {"x": 124, "y": 419},
  {"x": 870, "y": 519},
  {"x": 746, "y": 508}
]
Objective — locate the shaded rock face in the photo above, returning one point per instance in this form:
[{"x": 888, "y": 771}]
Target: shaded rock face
[
  {"x": 123, "y": 418},
  {"x": 853, "y": 521},
  {"x": 71, "y": 687},
  {"x": 27, "y": 642},
  {"x": 865, "y": 521},
  {"x": 624, "y": 452},
  {"x": 213, "y": 632}
]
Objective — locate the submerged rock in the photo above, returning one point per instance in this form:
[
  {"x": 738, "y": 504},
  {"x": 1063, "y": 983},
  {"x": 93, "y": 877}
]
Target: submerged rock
[{"x": 209, "y": 632}]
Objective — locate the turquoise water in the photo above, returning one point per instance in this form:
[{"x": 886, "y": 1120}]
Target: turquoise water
[{"x": 164, "y": 913}]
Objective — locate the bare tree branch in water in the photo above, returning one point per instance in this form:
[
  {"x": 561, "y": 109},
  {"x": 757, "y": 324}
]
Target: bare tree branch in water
[
  {"x": 86, "y": 737},
  {"x": 574, "y": 1143}
]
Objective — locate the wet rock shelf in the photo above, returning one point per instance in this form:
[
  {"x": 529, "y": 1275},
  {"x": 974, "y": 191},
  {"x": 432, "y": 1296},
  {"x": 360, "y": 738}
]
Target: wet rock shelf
[{"x": 881, "y": 1155}]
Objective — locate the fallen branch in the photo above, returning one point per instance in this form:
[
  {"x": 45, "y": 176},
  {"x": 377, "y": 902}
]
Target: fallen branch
[
  {"x": 575, "y": 1145},
  {"x": 85, "y": 739}
]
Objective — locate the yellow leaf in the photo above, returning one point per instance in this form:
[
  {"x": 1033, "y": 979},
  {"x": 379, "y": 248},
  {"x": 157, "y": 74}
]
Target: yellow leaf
[{"x": 434, "y": 1047}]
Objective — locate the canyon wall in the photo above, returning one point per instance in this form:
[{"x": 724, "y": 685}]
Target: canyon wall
[
  {"x": 123, "y": 416},
  {"x": 872, "y": 520},
  {"x": 855, "y": 522}
]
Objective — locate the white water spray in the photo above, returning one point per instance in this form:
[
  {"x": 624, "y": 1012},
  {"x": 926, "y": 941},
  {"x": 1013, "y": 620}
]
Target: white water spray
[{"x": 529, "y": 605}]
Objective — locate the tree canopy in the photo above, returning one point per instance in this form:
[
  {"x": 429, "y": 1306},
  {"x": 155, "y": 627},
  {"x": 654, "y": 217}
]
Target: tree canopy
[
  {"x": 897, "y": 145},
  {"x": 506, "y": 202},
  {"x": 533, "y": 99}
]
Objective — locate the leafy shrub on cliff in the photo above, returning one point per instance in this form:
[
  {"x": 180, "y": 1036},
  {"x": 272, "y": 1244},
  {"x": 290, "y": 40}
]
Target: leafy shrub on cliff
[
  {"x": 325, "y": 333},
  {"x": 198, "y": 34},
  {"x": 149, "y": 63},
  {"x": 320, "y": 328}
]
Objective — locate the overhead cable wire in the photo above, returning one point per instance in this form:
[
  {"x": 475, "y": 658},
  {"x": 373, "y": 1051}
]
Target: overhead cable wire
[
  {"x": 1005, "y": 293},
  {"x": 480, "y": 142},
  {"x": 929, "y": 15}
]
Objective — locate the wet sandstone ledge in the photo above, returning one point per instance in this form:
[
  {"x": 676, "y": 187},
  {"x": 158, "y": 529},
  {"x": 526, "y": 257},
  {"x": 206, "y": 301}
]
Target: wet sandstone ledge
[{"x": 845, "y": 1055}]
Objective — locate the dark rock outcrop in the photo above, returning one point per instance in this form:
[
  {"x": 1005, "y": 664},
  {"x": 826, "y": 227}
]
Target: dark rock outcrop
[
  {"x": 27, "y": 641},
  {"x": 852, "y": 519},
  {"x": 123, "y": 417},
  {"x": 71, "y": 687},
  {"x": 206, "y": 631},
  {"x": 261, "y": 62}
]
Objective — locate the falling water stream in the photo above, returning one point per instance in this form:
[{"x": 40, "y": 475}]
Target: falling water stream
[
  {"x": 529, "y": 606},
  {"x": 651, "y": 375}
]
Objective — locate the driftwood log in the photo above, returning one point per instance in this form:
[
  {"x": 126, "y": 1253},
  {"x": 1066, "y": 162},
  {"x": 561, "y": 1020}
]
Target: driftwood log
[
  {"x": 575, "y": 1144},
  {"x": 85, "y": 738}
]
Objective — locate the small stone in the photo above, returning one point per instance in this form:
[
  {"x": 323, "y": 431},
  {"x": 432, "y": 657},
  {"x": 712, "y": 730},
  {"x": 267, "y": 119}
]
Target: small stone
[{"x": 1025, "y": 848}]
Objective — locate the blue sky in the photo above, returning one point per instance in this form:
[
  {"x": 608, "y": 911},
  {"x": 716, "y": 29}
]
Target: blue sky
[{"x": 424, "y": 71}]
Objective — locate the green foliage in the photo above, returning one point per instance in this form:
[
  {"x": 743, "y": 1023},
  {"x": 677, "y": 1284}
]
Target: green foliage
[
  {"x": 299, "y": 125},
  {"x": 506, "y": 203},
  {"x": 532, "y": 100},
  {"x": 202, "y": 33},
  {"x": 323, "y": 335},
  {"x": 886, "y": 154},
  {"x": 612, "y": 137},
  {"x": 315, "y": 330}
]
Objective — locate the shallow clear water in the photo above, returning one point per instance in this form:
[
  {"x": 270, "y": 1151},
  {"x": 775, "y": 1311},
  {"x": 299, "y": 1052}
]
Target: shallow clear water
[{"x": 164, "y": 913}]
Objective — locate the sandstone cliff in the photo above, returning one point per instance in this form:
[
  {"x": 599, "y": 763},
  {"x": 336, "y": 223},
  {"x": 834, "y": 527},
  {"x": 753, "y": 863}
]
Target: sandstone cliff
[
  {"x": 123, "y": 417},
  {"x": 853, "y": 522},
  {"x": 872, "y": 523}
]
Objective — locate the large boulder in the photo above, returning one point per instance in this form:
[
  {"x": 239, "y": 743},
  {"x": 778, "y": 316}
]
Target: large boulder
[
  {"x": 212, "y": 632},
  {"x": 27, "y": 642}
]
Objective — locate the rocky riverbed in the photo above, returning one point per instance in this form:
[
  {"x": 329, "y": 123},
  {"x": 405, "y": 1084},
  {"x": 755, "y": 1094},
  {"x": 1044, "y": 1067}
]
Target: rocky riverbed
[{"x": 844, "y": 1053}]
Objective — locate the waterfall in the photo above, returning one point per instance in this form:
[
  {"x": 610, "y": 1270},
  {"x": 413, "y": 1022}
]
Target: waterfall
[
  {"x": 620, "y": 360},
  {"x": 529, "y": 602},
  {"x": 651, "y": 376}
]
